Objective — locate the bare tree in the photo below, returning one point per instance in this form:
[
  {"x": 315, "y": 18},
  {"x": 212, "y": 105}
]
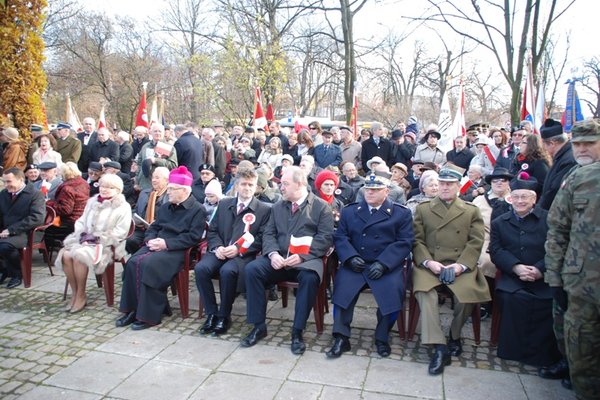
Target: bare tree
[
  {"x": 591, "y": 81},
  {"x": 479, "y": 23}
]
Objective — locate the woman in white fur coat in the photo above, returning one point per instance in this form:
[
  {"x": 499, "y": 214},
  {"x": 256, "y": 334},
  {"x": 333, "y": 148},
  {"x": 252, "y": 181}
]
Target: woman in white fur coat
[{"x": 105, "y": 222}]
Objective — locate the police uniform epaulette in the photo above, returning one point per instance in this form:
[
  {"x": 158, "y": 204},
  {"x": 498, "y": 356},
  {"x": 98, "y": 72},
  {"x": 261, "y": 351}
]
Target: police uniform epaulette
[{"x": 469, "y": 203}]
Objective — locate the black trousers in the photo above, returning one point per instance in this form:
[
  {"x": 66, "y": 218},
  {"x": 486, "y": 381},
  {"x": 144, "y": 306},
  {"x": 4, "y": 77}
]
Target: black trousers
[
  {"x": 11, "y": 259},
  {"x": 260, "y": 275},
  {"x": 342, "y": 318},
  {"x": 229, "y": 272}
]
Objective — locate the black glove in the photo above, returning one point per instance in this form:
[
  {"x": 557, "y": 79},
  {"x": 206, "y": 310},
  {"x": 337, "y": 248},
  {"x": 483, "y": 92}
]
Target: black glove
[
  {"x": 447, "y": 276},
  {"x": 376, "y": 270},
  {"x": 560, "y": 297},
  {"x": 356, "y": 264}
]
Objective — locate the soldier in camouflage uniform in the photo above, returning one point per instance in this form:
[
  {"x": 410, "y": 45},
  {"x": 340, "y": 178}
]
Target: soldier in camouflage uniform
[{"x": 572, "y": 254}]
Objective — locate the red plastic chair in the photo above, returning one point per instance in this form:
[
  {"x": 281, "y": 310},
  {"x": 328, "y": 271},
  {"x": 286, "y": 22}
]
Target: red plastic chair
[
  {"x": 27, "y": 252},
  {"x": 181, "y": 282},
  {"x": 496, "y": 315}
]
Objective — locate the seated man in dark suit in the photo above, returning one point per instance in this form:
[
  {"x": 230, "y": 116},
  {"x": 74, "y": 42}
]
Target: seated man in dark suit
[
  {"x": 299, "y": 233},
  {"x": 373, "y": 239},
  {"x": 178, "y": 226},
  {"x": 22, "y": 208},
  {"x": 234, "y": 239}
]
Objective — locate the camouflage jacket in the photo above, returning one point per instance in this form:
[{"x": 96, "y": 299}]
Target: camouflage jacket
[{"x": 573, "y": 242}]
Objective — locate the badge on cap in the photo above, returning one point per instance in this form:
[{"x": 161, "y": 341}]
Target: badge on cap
[
  {"x": 248, "y": 219},
  {"x": 525, "y": 167}
]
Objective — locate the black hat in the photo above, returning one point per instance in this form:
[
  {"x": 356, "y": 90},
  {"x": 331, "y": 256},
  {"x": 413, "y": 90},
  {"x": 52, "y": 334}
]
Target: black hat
[
  {"x": 397, "y": 133},
  {"x": 47, "y": 165},
  {"x": 327, "y": 133},
  {"x": 524, "y": 181},
  {"x": 31, "y": 166},
  {"x": 234, "y": 162},
  {"x": 206, "y": 167},
  {"x": 434, "y": 133},
  {"x": 95, "y": 166},
  {"x": 112, "y": 164},
  {"x": 429, "y": 166},
  {"x": 551, "y": 128},
  {"x": 499, "y": 172},
  {"x": 415, "y": 162},
  {"x": 345, "y": 127},
  {"x": 36, "y": 128},
  {"x": 63, "y": 125}
]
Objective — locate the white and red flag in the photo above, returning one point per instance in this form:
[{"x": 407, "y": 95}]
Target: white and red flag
[
  {"x": 300, "y": 245},
  {"x": 142, "y": 114},
  {"x": 72, "y": 117},
  {"x": 528, "y": 105},
  {"x": 459, "y": 127},
  {"x": 102, "y": 119},
  {"x": 259, "y": 116},
  {"x": 245, "y": 242},
  {"x": 465, "y": 185}
]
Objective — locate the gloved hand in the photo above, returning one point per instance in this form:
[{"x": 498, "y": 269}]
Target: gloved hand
[
  {"x": 447, "y": 276},
  {"x": 356, "y": 264},
  {"x": 561, "y": 298},
  {"x": 376, "y": 270}
]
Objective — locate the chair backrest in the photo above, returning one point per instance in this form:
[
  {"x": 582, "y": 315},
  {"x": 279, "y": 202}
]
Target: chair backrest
[
  {"x": 50, "y": 216},
  {"x": 131, "y": 229}
]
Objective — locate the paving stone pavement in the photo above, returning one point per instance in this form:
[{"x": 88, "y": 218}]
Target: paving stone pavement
[{"x": 47, "y": 353}]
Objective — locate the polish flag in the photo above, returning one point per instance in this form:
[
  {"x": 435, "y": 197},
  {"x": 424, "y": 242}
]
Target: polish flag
[
  {"x": 245, "y": 242},
  {"x": 489, "y": 155},
  {"x": 459, "y": 127},
  {"x": 259, "y": 116},
  {"x": 102, "y": 119},
  {"x": 270, "y": 113},
  {"x": 300, "y": 245},
  {"x": 45, "y": 187},
  {"x": 142, "y": 114},
  {"x": 465, "y": 185}
]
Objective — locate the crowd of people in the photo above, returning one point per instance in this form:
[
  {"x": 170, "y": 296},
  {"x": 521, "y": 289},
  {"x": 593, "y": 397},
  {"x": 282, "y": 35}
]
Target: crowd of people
[{"x": 506, "y": 220}]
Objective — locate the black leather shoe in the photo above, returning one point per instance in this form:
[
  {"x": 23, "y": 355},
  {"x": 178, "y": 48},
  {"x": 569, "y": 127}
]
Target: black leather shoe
[
  {"x": 14, "y": 282},
  {"x": 559, "y": 370},
  {"x": 340, "y": 345},
  {"x": 566, "y": 383},
  {"x": 298, "y": 346},
  {"x": 221, "y": 326},
  {"x": 454, "y": 347},
  {"x": 3, "y": 277},
  {"x": 209, "y": 324},
  {"x": 439, "y": 360},
  {"x": 383, "y": 348},
  {"x": 253, "y": 337},
  {"x": 168, "y": 311},
  {"x": 139, "y": 325},
  {"x": 126, "y": 319},
  {"x": 273, "y": 293}
]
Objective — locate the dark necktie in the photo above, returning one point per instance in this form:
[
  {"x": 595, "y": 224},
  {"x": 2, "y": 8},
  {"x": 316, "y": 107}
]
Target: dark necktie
[
  {"x": 13, "y": 196},
  {"x": 373, "y": 211},
  {"x": 241, "y": 208},
  {"x": 294, "y": 208}
]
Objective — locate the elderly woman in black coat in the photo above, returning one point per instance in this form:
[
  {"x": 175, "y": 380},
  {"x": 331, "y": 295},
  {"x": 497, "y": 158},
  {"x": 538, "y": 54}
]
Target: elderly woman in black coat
[{"x": 517, "y": 250}]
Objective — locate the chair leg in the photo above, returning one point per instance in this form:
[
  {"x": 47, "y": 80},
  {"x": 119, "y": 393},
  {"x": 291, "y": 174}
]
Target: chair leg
[
  {"x": 476, "y": 319},
  {"x": 401, "y": 323},
  {"x": 108, "y": 281},
  {"x": 284, "y": 296},
  {"x": 496, "y": 317},
  {"x": 413, "y": 316},
  {"x": 183, "y": 282},
  {"x": 26, "y": 261}
]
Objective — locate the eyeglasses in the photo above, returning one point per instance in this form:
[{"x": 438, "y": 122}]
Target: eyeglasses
[
  {"x": 312, "y": 127},
  {"x": 519, "y": 197},
  {"x": 499, "y": 180},
  {"x": 517, "y": 135}
]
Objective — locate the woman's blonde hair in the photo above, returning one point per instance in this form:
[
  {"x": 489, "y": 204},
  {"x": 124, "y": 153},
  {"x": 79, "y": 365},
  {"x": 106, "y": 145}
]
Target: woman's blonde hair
[
  {"x": 112, "y": 180},
  {"x": 69, "y": 170}
]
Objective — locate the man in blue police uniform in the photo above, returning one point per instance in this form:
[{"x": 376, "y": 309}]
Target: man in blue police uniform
[{"x": 373, "y": 239}]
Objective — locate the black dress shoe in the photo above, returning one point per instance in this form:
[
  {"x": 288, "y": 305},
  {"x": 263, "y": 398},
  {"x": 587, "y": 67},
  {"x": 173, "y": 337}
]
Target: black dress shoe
[
  {"x": 126, "y": 319},
  {"x": 14, "y": 282},
  {"x": 221, "y": 326},
  {"x": 439, "y": 360},
  {"x": 340, "y": 345},
  {"x": 3, "y": 277},
  {"x": 253, "y": 337},
  {"x": 559, "y": 370},
  {"x": 273, "y": 293},
  {"x": 383, "y": 348},
  {"x": 209, "y": 324},
  {"x": 454, "y": 347},
  {"x": 298, "y": 346},
  {"x": 566, "y": 383},
  {"x": 139, "y": 325}
]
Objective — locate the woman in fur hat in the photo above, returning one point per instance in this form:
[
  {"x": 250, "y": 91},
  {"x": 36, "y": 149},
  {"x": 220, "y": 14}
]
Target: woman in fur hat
[{"x": 105, "y": 222}]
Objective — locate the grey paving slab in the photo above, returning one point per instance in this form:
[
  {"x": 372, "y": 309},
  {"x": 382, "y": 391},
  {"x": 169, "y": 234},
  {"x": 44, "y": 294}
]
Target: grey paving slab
[
  {"x": 385, "y": 396},
  {"x": 347, "y": 371},
  {"x": 261, "y": 360},
  {"x": 299, "y": 391},
  {"x": 468, "y": 383},
  {"x": 538, "y": 388},
  {"x": 226, "y": 386},
  {"x": 160, "y": 380},
  {"x": 146, "y": 344},
  {"x": 196, "y": 351},
  {"x": 7, "y": 318},
  {"x": 403, "y": 378},
  {"x": 53, "y": 393},
  {"x": 339, "y": 393},
  {"x": 96, "y": 372}
]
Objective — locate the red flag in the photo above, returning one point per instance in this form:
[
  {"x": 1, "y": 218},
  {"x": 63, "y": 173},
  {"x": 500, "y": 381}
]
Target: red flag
[
  {"x": 245, "y": 242},
  {"x": 300, "y": 245},
  {"x": 466, "y": 184},
  {"x": 270, "y": 114},
  {"x": 259, "y": 116},
  {"x": 460, "y": 128},
  {"x": 102, "y": 119},
  {"x": 354, "y": 115},
  {"x": 142, "y": 114},
  {"x": 528, "y": 106}
]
